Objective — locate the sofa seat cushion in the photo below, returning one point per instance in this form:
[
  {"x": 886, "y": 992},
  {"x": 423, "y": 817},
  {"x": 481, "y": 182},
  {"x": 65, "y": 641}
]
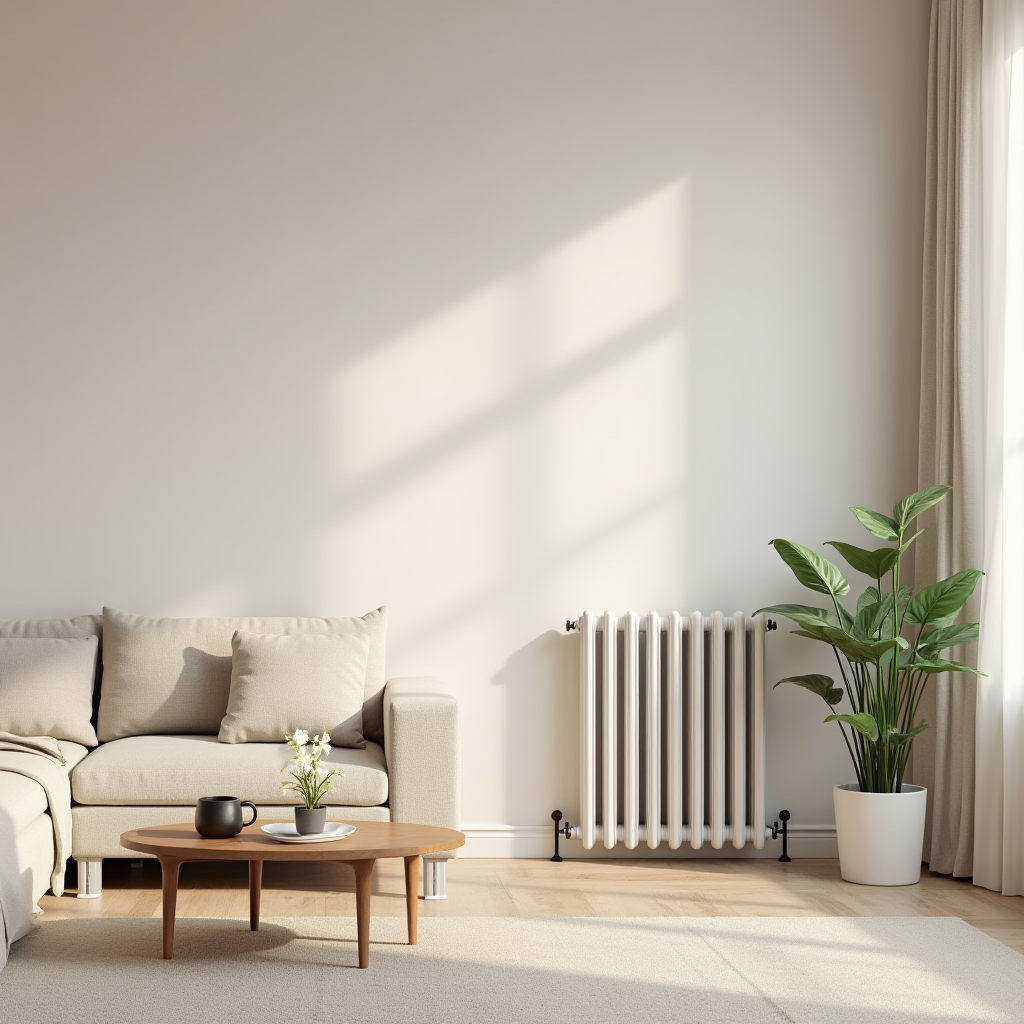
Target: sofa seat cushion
[{"x": 151, "y": 770}]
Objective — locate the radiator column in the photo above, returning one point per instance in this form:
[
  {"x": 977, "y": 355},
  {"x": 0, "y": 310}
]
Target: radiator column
[
  {"x": 696, "y": 730},
  {"x": 653, "y": 774},
  {"x": 588, "y": 731}
]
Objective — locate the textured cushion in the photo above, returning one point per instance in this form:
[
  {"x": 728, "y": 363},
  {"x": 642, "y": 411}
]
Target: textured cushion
[
  {"x": 307, "y": 681},
  {"x": 80, "y": 627},
  {"x": 46, "y": 687},
  {"x": 143, "y": 770},
  {"x": 174, "y": 675}
]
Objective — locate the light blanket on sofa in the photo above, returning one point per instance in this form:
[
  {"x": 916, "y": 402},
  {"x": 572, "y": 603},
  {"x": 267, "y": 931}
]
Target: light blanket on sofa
[{"x": 38, "y": 758}]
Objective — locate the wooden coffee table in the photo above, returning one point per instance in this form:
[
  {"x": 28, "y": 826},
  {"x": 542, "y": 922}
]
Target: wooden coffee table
[{"x": 173, "y": 845}]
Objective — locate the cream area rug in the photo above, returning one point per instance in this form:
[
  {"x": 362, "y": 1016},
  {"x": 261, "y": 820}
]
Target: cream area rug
[{"x": 701, "y": 970}]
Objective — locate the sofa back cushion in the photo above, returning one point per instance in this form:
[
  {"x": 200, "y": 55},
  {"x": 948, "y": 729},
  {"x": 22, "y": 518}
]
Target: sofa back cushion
[
  {"x": 311, "y": 681},
  {"x": 46, "y": 687},
  {"x": 174, "y": 675},
  {"x": 81, "y": 627}
]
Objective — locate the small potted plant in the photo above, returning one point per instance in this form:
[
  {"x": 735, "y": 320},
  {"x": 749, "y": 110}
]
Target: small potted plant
[
  {"x": 309, "y": 779},
  {"x": 880, "y": 819}
]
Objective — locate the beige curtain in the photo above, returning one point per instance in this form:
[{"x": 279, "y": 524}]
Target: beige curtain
[
  {"x": 999, "y": 795},
  {"x": 951, "y": 445}
]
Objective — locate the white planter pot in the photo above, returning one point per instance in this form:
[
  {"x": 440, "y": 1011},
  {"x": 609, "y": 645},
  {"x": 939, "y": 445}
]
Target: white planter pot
[{"x": 881, "y": 835}]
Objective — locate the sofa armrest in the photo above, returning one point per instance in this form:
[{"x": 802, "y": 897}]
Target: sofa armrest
[{"x": 423, "y": 747}]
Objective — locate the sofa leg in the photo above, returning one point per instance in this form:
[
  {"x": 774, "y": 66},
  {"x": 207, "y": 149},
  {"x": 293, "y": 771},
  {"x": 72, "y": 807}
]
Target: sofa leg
[
  {"x": 90, "y": 878},
  {"x": 434, "y": 880}
]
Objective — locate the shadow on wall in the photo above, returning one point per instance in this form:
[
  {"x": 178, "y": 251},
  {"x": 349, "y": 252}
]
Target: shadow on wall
[{"x": 541, "y": 735}]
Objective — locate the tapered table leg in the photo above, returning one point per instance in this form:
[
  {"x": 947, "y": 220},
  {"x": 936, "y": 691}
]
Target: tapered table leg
[
  {"x": 364, "y": 872},
  {"x": 169, "y": 871},
  {"x": 412, "y": 883},
  {"x": 255, "y": 885}
]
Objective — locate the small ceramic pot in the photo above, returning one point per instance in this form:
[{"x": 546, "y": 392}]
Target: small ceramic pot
[{"x": 310, "y": 820}]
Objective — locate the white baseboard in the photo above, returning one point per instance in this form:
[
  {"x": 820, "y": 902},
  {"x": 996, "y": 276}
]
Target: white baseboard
[
  {"x": 508, "y": 841},
  {"x": 535, "y": 841}
]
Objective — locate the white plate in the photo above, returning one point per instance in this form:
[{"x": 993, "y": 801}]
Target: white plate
[{"x": 285, "y": 833}]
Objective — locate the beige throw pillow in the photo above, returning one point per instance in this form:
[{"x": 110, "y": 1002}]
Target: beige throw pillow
[
  {"x": 174, "y": 675},
  {"x": 283, "y": 683},
  {"x": 46, "y": 687}
]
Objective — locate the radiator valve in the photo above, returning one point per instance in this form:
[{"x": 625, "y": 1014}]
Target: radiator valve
[
  {"x": 566, "y": 830},
  {"x": 784, "y": 816}
]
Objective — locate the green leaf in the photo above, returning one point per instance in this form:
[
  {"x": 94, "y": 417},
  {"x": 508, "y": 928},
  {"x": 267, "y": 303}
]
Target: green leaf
[
  {"x": 868, "y": 617},
  {"x": 872, "y": 563},
  {"x": 900, "y": 738},
  {"x": 804, "y": 614},
  {"x": 823, "y": 686},
  {"x": 870, "y": 596},
  {"x": 854, "y": 649},
  {"x": 862, "y": 722},
  {"x": 861, "y": 650},
  {"x": 884, "y": 622},
  {"x": 909, "y": 508},
  {"x": 876, "y": 524},
  {"x": 813, "y": 571},
  {"x": 936, "y": 640},
  {"x": 944, "y": 598},
  {"x": 937, "y": 665},
  {"x": 813, "y": 633}
]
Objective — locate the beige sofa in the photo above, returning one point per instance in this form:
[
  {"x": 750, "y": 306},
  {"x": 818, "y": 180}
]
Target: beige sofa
[{"x": 162, "y": 687}]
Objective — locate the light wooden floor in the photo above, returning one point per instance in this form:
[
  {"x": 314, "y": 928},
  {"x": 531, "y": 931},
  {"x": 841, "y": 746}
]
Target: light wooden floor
[{"x": 538, "y": 888}]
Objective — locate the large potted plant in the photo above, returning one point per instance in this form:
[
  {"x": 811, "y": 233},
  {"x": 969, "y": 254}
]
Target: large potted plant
[{"x": 887, "y": 649}]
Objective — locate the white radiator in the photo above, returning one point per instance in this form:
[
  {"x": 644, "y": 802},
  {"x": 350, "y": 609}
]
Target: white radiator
[{"x": 671, "y": 731}]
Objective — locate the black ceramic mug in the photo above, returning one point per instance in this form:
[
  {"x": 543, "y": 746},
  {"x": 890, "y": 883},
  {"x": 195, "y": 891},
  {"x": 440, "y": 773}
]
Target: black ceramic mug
[{"x": 220, "y": 817}]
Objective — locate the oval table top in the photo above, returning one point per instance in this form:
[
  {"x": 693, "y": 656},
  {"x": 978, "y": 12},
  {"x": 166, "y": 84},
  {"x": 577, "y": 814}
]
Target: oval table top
[{"x": 371, "y": 839}]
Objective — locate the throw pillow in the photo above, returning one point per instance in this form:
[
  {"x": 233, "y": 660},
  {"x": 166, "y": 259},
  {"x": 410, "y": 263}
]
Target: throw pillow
[
  {"x": 283, "y": 683},
  {"x": 46, "y": 687}
]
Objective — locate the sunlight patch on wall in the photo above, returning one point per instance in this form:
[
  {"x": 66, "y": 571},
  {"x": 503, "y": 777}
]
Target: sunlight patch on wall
[
  {"x": 422, "y": 383},
  {"x": 518, "y": 432},
  {"x": 614, "y": 442},
  {"x": 614, "y": 277},
  {"x": 433, "y": 542}
]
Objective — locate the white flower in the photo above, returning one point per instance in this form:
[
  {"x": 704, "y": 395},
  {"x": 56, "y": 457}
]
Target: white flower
[{"x": 300, "y": 737}]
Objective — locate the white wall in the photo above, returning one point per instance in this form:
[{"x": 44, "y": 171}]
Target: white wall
[{"x": 489, "y": 312}]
